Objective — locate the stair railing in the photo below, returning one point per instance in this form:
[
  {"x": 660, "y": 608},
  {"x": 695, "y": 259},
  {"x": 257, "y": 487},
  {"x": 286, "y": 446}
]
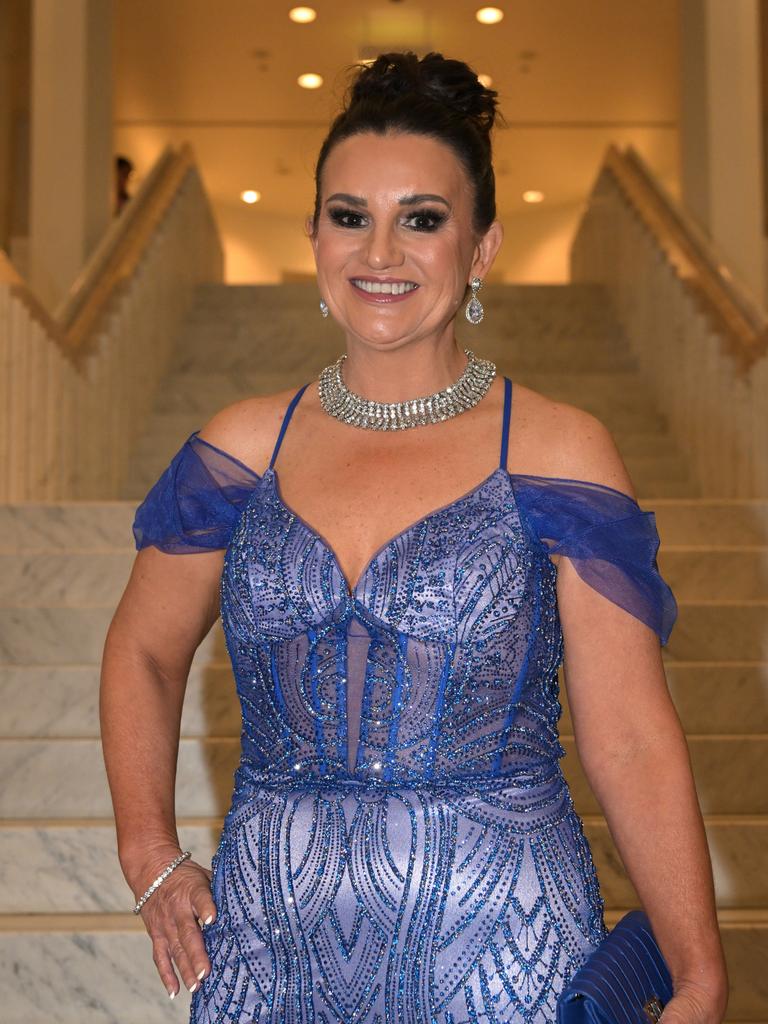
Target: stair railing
[
  {"x": 76, "y": 386},
  {"x": 700, "y": 337}
]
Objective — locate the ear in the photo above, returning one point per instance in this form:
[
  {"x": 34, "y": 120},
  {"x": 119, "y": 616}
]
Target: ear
[
  {"x": 308, "y": 232},
  {"x": 486, "y": 249}
]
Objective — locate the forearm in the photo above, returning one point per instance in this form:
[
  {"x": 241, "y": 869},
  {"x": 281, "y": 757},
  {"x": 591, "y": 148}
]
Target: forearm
[
  {"x": 647, "y": 793},
  {"x": 140, "y": 712}
]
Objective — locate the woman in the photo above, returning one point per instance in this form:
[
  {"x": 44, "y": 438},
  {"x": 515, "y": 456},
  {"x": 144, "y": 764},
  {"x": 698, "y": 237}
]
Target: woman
[{"x": 401, "y": 844}]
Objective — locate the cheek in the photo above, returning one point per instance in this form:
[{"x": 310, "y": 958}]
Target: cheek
[
  {"x": 445, "y": 262},
  {"x": 332, "y": 248}
]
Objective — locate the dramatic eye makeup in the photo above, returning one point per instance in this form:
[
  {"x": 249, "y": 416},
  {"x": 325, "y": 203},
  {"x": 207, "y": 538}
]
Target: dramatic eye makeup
[{"x": 422, "y": 220}]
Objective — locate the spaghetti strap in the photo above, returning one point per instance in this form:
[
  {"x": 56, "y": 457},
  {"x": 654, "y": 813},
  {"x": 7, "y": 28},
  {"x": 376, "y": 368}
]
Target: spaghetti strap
[
  {"x": 286, "y": 420},
  {"x": 505, "y": 423}
]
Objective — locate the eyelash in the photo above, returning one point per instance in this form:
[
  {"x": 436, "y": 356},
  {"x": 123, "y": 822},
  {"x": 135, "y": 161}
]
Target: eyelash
[{"x": 338, "y": 214}]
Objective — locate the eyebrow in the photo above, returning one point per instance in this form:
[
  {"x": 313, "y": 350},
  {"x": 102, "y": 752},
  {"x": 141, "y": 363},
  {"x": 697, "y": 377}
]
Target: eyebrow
[{"x": 409, "y": 200}]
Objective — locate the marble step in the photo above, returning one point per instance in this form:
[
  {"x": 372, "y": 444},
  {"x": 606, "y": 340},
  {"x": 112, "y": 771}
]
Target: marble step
[
  {"x": 67, "y": 636},
  {"x": 665, "y": 476},
  {"x": 706, "y": 630},
  {"x": 167, "y": 431},
  {"x": 97, "y": 969},
  {"x": 557, "y": 309},
  {"x": 91, "y": 526},
  {"x": 85, "y": 579},
  {"x": 295, "y": 346},
  {"x": 65, "y": 777},
  {"x": 685, "y": 523},
  {"x": 59, "y": 866},
  {"x": 62, "y": 700},
  {"x": 188, "y": 400},
  {"x": 106, "y": 525}
]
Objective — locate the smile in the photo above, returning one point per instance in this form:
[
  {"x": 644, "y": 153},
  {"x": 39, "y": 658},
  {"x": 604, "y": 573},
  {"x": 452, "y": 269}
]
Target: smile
[{"x": 384, "y": 287}]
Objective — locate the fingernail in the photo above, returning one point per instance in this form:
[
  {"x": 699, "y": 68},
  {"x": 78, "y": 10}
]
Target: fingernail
[
  {"x": 209, "y": 919},
  {"x": 171, "y": 994},
  {"x": 193, "y": 987},
  {"x": 201, "y": 975}
]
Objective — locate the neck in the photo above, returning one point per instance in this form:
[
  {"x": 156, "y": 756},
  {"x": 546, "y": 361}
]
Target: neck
[{"x": 407, "y": 372}]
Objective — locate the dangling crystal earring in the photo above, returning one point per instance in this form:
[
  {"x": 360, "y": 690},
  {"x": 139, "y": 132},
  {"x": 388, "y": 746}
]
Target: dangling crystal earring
[
  {"x": 323, "y": 307},
  {"x": 474, "y": 311}
]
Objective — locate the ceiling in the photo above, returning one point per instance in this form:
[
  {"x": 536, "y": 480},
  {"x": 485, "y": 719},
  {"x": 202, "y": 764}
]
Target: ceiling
[{"x": 573, "y": 76}]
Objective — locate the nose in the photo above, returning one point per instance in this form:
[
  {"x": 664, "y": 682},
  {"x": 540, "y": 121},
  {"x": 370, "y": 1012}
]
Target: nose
[{"x": 383, "y": 248}]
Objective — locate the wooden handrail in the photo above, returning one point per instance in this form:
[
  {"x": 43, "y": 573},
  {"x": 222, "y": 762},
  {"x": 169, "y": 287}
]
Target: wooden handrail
[
  {"x": 114, "y": 260},
  {"x": 118, "y": 256},
  {"x": 692, "y": 256}
]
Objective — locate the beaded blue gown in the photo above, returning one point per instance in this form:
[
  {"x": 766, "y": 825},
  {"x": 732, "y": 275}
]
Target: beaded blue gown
[{"x": 401, "y": 845}]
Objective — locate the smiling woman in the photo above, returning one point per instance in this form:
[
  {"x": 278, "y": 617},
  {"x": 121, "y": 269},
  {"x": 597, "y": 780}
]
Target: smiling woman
[{"x": 401, "y": 843}]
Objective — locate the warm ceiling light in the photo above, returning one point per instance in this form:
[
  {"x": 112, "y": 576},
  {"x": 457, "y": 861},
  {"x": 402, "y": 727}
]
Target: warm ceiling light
[
  {"x": 485, "y": 80},
  {"x": 489, "y": 15},
  {"x": 302, "y": 15},
  {"x": 310, "y": 80},
  {"x": 250, "y": 196},
  {"x": 533, "y": 196}
]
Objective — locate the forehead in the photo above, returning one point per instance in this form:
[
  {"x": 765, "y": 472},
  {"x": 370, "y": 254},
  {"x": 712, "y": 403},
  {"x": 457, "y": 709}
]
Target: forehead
[{"x": 370, "y": 164}]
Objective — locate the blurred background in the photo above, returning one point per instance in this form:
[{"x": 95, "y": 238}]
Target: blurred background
[{"x": 156, "y": 170}]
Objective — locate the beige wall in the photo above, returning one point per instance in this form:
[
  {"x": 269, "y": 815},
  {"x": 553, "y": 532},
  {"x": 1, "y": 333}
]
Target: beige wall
[
  {"x": 71, "y": 140},
  {"x": 722, "y": 133}
]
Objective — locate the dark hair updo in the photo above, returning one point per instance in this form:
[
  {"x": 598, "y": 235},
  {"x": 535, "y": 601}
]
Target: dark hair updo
[{"x": 432, "y": 96}]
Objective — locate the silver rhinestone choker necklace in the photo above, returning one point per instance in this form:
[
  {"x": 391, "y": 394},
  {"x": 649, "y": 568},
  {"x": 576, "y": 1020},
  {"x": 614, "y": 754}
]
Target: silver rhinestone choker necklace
[{"x": 345, "y": 405}]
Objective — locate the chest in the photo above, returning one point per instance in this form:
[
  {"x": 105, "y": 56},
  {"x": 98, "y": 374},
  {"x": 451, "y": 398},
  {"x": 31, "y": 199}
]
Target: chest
[
  {"x": 469, "y": 565},
  {"x": 358, "y": 505}
]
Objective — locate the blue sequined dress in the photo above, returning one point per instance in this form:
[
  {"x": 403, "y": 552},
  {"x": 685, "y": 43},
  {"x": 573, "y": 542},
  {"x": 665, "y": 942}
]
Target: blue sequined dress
[{"x": 401, "y": 845}]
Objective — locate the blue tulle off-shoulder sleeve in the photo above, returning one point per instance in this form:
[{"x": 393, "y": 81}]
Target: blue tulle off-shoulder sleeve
[
  {"x": 612, "y": 542},
  {"x": 194, "y": 505}
]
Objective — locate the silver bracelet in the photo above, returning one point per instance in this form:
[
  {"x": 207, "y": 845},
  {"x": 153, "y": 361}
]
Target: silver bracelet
[{"x": 160, "y": 879}]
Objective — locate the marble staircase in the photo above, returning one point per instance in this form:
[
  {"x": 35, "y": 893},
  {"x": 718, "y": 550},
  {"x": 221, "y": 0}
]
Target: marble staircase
[{"x": 70, "y": 949}]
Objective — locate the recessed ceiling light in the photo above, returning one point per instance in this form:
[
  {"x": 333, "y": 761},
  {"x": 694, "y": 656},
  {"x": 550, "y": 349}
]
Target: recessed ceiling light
[
  {"x": 250, "y": 196},
  {"x": 302, "y": 15},
  {"x": 310, "y": 80},
  {"x": 485, "y": 80},
  {"x": 489, "y": 15},
  {"x": 532, "y": 195}
]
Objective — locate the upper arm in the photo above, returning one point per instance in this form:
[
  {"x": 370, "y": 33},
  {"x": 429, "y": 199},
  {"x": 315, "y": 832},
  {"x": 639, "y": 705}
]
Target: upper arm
[
  {"x": 612, "y": 662},
  {"x": 168, "y": 606},
  {"x": 182, "y": 528}
]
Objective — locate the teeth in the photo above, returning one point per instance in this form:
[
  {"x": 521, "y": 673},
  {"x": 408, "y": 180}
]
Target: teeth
[{"x": 384, "y": 287}]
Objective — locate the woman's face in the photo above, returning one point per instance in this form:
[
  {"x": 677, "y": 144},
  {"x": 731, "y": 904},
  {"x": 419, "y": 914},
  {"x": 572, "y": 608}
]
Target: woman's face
[{"x": 395, "y": 247}]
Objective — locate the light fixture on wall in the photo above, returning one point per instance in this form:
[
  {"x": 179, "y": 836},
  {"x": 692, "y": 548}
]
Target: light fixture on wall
[
  {"x": 489, "y": 15},
  {"x": 310, "y": 80},
  {"x": 532, "y": 195},
  {"x": 302, "y": 15},
  {"x": 250, "y": 196}
]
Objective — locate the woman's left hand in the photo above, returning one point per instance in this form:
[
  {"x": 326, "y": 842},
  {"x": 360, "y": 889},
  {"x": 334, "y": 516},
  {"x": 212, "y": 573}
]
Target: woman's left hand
[{"x": 694, "y": 1005}]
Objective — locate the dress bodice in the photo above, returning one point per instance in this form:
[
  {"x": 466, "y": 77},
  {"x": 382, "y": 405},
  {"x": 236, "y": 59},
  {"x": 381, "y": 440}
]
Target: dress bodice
[{"x": 439, "y": 665}]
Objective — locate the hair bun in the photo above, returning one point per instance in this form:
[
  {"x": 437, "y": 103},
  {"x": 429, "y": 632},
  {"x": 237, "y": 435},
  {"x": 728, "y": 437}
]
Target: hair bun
[{"x": 441, "y": 79}]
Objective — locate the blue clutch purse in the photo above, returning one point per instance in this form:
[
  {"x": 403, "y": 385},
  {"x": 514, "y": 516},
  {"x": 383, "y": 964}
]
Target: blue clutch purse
[{"x": 625, "y": 980}]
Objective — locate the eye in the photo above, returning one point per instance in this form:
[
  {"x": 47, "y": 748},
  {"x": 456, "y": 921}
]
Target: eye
[
  {"x": 426, "y": 220},
  {"x": 346, "y": 218}
]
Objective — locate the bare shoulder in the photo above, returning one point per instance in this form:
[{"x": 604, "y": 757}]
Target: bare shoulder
[
  {"x": 570, "y": 442},
  {"x": 248, "y": 429}
]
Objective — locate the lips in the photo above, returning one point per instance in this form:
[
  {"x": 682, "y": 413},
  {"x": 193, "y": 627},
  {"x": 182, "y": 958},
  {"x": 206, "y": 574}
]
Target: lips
[{"x": 383, "y": 289}]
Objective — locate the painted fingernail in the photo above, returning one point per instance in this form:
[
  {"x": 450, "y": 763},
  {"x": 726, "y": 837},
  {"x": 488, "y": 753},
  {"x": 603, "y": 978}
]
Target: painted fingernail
[
  {"x": 209, "y": 919},
  {"x": 171, "y": 994},
  {"x": 193, "y": 987},
  {"x": 201, "y": 975}
]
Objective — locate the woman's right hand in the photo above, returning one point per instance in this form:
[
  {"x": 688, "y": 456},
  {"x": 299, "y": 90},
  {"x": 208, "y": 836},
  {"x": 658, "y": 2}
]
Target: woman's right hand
[{"x": 171, "y": 916}]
